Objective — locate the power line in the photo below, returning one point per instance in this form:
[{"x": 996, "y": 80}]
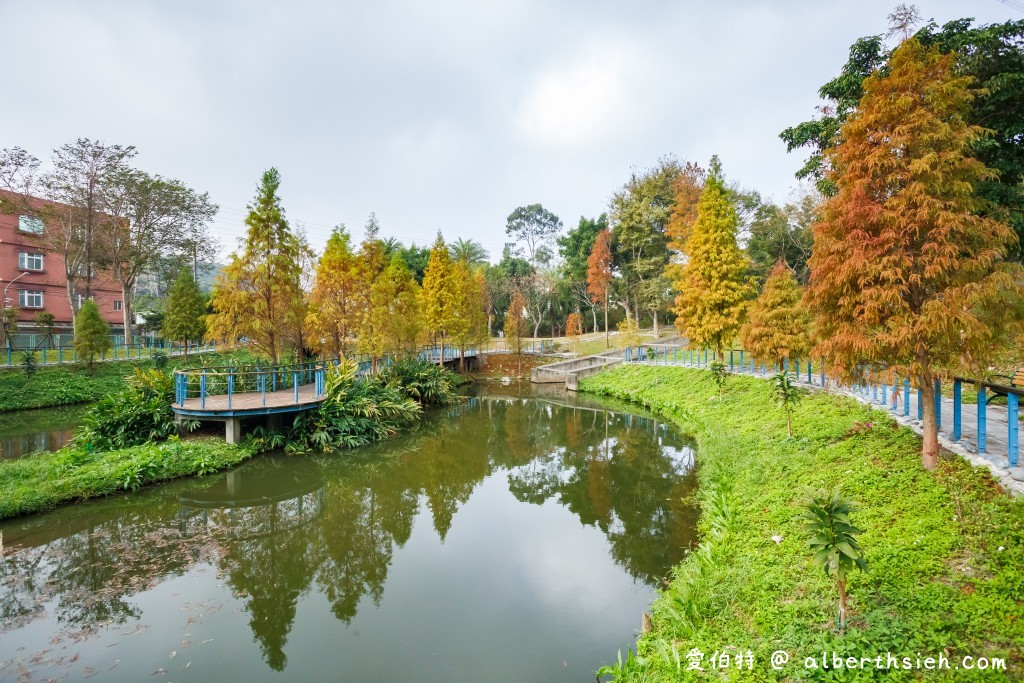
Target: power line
[{"x": 1015, "y": 4}]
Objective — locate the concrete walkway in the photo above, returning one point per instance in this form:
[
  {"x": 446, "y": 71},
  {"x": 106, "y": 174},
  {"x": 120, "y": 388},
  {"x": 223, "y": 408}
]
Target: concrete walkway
[{"x": 996, "y": 455}]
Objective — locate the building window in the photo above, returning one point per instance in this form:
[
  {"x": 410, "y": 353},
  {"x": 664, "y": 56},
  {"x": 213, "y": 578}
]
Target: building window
[
  {"x": 27, "y": 261},
  {"x": 29, "y": 298},
  {"x": 118, "y": 304},
  {"x": 79, "y": 300},
  {"x": 30, "y": 224}
]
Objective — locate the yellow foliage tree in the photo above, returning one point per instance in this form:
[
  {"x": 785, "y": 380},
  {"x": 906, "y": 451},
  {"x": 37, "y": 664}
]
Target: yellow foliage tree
[
  {"x": 713, "y": 284},
  {"x": 393, "y": 324},
  {"x": 778, "y": 326},
  {"x": 573, "y": 329},
  {"x": 440, "y": 296},
  {"x": 516, "y": 325},
  {"x": 258, "y": 295},
  {"x": 338, "y": 301}
]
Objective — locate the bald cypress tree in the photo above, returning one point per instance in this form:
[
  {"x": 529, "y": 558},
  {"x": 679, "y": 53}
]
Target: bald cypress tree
[
  {"x": 184, "y": 319},
  {"x": 713, "y": 284},
  {"x": 778, "y": 325},
  {"x": 908, "y": 269}
]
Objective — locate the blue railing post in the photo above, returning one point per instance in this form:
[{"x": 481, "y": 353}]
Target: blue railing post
[
  {"x": 263, "y": 388},
  {"x": 60, "y": 354},
  {"x": 895, "y": 393},
  {"x": 202, "y": 391},
  {"x": 822, "y": 373},
  {"x": 785, "y": 366},
  {"x": 885, "y": 388},
  {"x": 956, "y": 409},
  {"x": 741, "y": 358},
  {"x": 906, "y": 397},
  {"x": 295, "y": 381},
  {"x": 920, "y": 405},
  {"x": 1013, "y": 427},
  {"x": 705, "y": 356},
  {"x": 730, "y": 360},
  {"x": 982, "y": 415},
  {"x": 809, "y": 370},
  {"x": 938, "y": 405},
  {"x": 231, "y": 385}
]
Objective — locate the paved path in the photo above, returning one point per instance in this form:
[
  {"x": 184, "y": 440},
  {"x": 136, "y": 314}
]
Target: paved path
[{"x": 996, "y": 455}]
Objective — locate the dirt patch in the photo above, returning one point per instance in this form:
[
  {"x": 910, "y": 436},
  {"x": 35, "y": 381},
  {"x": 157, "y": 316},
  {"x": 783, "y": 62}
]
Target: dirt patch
[{"x": 507, "y": 364}]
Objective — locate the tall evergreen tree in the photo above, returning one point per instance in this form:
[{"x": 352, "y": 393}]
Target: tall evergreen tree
[
  {"x": 184, "y": 318},
  {"x": 92, "y": 333},
  {"x": 907, "y": 270},
  {"x": 258, "y": 295},
  {"x": 713, "y": 285},
  {"x": 778, "y": 325}
]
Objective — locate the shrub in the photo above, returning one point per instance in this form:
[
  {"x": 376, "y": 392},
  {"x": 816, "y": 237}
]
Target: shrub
[
  {"x": 138, "y": 414},
  {"x": 426, "y": 383},
  {"x": 28, "y": 363}
]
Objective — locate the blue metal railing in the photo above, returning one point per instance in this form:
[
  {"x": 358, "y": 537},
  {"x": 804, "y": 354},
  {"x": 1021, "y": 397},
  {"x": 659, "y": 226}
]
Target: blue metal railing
[
  {"x": 885, "y": 393},
  {"x": 67, "y": 354}
]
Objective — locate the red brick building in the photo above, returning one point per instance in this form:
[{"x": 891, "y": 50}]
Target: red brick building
[{"x": 33, "y": 280}]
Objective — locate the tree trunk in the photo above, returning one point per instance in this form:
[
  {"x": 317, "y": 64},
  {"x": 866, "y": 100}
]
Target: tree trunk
[
  {"x": 593, "y": 311},
  {"x": 930, "y": 427},
  {"x": 842, "y": 602},
  {"x": 462, "y": 358},
  {"x": 70, "y": 286},
  {"x": 126, "y": 310},
  {"x": 441, "y": 359},
  {"x": 607, "y": 340},
  {"x": 655, "y": 314}
]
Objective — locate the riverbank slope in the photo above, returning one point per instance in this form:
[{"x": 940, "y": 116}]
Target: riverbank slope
[{"x": 945, "y": 549}]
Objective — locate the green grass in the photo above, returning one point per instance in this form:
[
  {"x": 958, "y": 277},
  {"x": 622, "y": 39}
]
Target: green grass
[
  {"x": 68, "y": 384},
  {"x": 42, "y": 481},
  {"x": 945, "y": 549}
]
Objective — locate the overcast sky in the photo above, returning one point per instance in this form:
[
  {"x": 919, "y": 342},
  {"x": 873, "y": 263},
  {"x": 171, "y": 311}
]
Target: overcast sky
[{"x": 444, "y": 114}]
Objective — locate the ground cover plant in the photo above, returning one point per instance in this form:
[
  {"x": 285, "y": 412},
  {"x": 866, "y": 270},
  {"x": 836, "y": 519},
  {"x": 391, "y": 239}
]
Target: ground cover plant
[
  {"x": 945, "y": 548},
  {"x": 44, "y": 480}
]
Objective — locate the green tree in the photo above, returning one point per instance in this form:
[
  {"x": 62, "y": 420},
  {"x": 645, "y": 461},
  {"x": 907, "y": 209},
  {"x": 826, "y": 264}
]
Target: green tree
[
  {"x": 47, "y": 325},
  {"x": 640, "y": 213},
  {"x": 713, "y": 285},
  {"x": 834, "y": 542},
  {"x": 9, "y": 325},
  {"x": 536, "y": 228},
  {"x": 908, "y": 271},
  {"x": 258, "y": 295},
  {"x": 92, "y": 333},
  {"x": 783, "y": 232},
  {"x": 993, "y": 54},
  {"x": 185, "y": 316},
  {"x": 470, "y": 252},
  {"x": 787, "y": 396},
  {"x": 574, "y": 247}
]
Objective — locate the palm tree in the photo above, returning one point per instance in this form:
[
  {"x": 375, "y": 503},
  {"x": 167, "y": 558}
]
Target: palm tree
[
  {"x": 787, "y": 396},
  {"x": 833, "y": 540},
  {"x": 469, "y": 251}
]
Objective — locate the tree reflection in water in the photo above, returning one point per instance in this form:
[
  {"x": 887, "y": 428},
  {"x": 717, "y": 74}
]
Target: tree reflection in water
[{"x": 280, "y": 527}]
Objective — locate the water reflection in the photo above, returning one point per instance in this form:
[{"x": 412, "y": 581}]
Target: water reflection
[
  {"x": 280, "y": 530},
  {"x": 30, "y": 431}
]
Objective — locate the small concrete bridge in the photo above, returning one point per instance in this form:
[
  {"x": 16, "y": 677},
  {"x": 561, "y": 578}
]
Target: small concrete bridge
[
  {"x": 570, "y": 372},
  {"x": 230, "y": 394}
]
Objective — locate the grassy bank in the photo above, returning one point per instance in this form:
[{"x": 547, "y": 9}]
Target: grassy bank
[
  {"x": 44, "y": 480},
  {"x": 945, "y": 549},
  {"x": 61, "y": 385}
]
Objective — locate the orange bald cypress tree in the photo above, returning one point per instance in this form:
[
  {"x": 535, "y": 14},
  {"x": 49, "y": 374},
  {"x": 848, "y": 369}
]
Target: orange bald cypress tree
[
  {"x": 905, "y": 273},
  {"x": 778, "y": 325},
  {"x": 599, "y": 274}
]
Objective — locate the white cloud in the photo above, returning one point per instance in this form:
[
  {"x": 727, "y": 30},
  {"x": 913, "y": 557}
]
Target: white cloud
[{"x": 590, "y": 98}]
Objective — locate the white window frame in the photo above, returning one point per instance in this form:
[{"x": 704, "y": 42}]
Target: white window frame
[
  {"x": 118, "y": 305},
  {"x": 25, "y": 258},
  {"x": 23, "y": 298},
  {"x": 30, "y": 224}
]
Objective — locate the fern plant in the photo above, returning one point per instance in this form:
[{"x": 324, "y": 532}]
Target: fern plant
[{"x": 833, "y": 540}]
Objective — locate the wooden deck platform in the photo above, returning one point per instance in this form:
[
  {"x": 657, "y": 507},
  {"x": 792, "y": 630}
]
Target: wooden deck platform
[{"x": 254, "y": 403}]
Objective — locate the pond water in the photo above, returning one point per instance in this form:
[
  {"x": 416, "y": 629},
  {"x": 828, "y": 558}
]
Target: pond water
[
  {"x": 46, "y": 429},
  {"x": 516, "y": 536}
]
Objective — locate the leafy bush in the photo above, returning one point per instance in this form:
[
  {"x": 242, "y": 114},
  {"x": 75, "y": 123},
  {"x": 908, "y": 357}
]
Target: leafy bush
[
  {"x": 427, "y": 383},
  {"x": 160, "y": 360},
  {"x": 28, "y": 363},
  {"x": 354, "y": 414},
  {"x": 138, "y": 414}
]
